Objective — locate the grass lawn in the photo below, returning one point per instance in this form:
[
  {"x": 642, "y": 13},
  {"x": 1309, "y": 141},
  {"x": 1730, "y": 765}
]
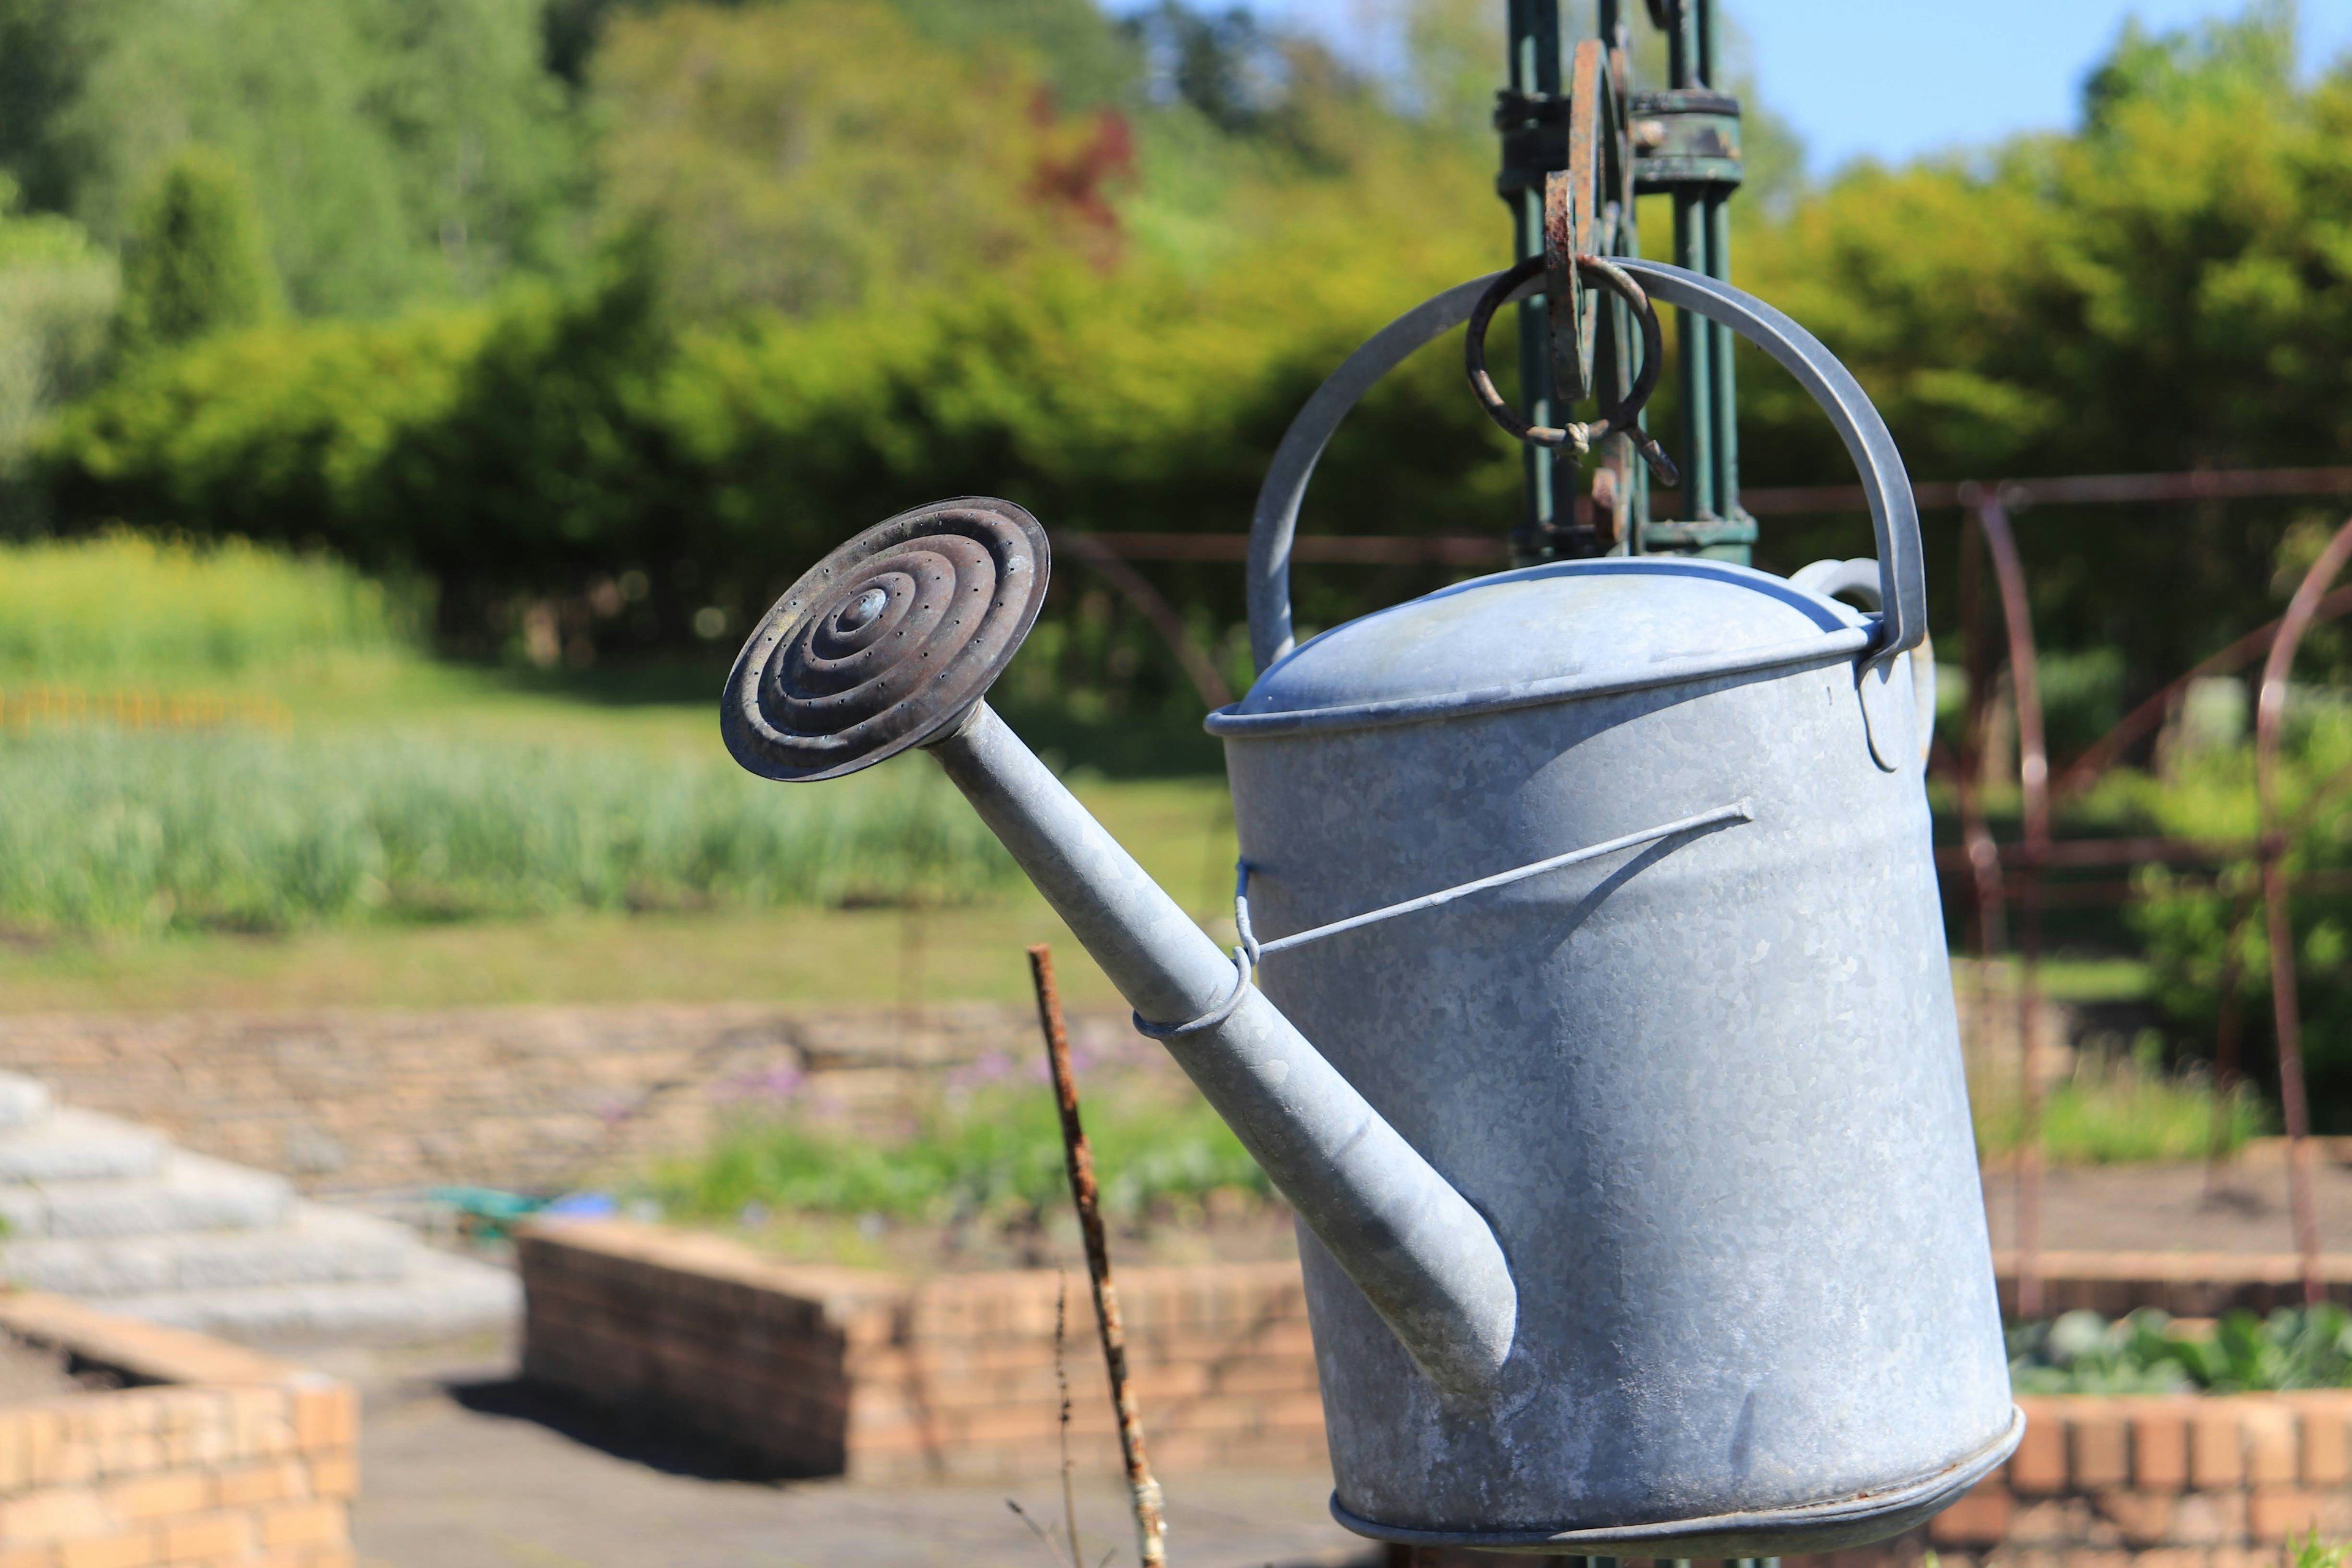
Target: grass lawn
[
  {"x": 1181, "y": 830},
  {"x": 118, "y": 616}
]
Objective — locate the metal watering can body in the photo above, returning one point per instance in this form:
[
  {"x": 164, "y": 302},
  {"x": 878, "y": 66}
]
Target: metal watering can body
[
  {"x": 1601, "y": 1032},
  {"x": 1706, "y": 1089}
]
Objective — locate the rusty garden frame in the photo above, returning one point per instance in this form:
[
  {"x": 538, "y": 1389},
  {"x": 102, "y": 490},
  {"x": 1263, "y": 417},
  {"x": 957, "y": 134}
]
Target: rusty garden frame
[{"x": 2276, "y": 643}]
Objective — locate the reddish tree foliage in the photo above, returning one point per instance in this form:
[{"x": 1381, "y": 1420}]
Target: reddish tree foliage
[{"x": 1081, "y": 164}]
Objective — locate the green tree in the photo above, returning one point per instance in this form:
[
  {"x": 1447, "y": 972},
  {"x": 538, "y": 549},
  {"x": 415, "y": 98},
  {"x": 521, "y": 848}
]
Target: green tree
[
  {"x": 2166, "y": 288},
  {"x": 821, "y": 154},
  {"x": 56, "y": 297},
  {"x": 195, "y": 262},
  {"x": 397, "y": 149}
]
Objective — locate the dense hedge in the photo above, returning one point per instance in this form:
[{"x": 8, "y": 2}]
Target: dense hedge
[{"x": 567, "y": 437}]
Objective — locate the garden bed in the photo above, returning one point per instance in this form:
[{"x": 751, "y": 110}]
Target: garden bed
[
  {"x": 812, "y": 1371},
  {"x": 199, "y": 1453}
]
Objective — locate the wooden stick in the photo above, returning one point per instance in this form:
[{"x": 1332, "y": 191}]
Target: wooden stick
[{"x": 1151, "y": 1529}]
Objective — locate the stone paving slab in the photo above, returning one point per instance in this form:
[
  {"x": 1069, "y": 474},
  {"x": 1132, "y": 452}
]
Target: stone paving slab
[
  {"x": 2171, "y": 1209},
  {"x": 475, "y": 1470}
]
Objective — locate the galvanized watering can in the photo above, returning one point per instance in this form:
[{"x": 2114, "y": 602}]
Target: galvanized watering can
[{"x": 1601, "y": 1032}]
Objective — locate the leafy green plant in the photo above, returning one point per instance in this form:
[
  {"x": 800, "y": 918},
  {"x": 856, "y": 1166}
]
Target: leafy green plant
[
  {"x": 57, "y": 292},
  {"x": 2147, "y": 1353},
  {"x": 2313, "y": 1553},
  {"x": 990, "y": 1153},
  {"x": 2197, "y": 930},
  {"x": 395, "y": 148}
]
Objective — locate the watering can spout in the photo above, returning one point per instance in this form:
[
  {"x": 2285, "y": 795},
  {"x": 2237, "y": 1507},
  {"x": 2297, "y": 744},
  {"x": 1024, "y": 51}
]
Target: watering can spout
[
  {"x": 888, "y": 644},
  {"x": 1426, "y": 1260}
]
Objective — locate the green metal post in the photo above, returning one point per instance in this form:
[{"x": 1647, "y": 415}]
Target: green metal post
[
  {"x": 1721, "y": 388},
  {"x": 1722, "y": 394},
  {"x": 1690, "y": 151},
  {"x": 1694, "y": 361},
  {"x": 1613, "y": 366},
  {"x": 1535, "y": 65}
]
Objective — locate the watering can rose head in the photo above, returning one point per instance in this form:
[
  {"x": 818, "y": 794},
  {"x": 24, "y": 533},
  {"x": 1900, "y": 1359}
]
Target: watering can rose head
[
  {"x": 885, "y": 640},
  {"x": 1591, "y": 984}
]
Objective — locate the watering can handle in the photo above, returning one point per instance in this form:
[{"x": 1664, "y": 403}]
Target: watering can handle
[{"x": 1893, "y": 511}]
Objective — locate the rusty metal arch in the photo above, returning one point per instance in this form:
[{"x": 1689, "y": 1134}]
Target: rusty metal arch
[{"x": 2315, "y": 599}]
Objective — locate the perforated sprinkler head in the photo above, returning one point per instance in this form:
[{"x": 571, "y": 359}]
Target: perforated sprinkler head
[{"x": 887, "y": 642}]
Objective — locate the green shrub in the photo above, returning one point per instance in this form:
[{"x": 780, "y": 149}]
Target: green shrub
[
  {"x": 2186, "y": 919},
  {"x": 2112, "y": 1112},
  {"x": 569, "y": 435},
  {"x": 109, "y": 832},
  {"x": 195, "y": 263},
  {"x": 395, "y": 148},
  {"x": 283, "y": 434},
  {"x": 2313, "y": 1553},
  {"x": 164, "y": 612},
  {"x": 58, "y": 295},
  {"x": 2145, "y": 1352},
  {"x": 988, "y": 1153}
]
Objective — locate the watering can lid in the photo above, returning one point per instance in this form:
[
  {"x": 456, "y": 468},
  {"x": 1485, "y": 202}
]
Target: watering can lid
[{"x": 1546, "y": 634}]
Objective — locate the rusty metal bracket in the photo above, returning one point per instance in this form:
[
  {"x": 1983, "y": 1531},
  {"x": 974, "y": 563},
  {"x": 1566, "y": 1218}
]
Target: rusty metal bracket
[
  {"x": 1574, "y": 199},
  {"x": 1685, "y": 139}
]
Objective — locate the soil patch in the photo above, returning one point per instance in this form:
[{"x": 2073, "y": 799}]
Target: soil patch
[{"x": 30, "y": 1374}]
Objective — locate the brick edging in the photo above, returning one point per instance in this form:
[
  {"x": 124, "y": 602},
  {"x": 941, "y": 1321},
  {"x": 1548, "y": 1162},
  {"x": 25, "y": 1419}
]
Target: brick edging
[
  {"x": 2208, "y": 1480},
  {"x": 826, "y": 1370},
  {"x": 215, "y": 1456}
]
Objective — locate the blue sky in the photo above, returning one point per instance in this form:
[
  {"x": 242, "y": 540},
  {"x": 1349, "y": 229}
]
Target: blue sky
[{"x": 1897, "y": 78}]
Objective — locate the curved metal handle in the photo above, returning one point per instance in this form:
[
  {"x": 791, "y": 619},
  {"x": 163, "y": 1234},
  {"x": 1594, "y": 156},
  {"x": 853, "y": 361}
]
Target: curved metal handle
[{"x": 1894, "y": 511}]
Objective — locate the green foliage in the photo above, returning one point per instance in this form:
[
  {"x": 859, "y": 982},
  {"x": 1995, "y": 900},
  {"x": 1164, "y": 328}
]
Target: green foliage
[
  {"x": 2186, "y": 923},
  {"x": 2313, "y": 1553},
  {"x": 285, "y": 432},
  {"x": 1083, "y": 58},
  {"x": 579, "y": 432},
  {"x": 817, "y": 154},
  {"x": 2145, "y": 1352},
  {"x": 2164, "y": 289},
  {"x": 113, "y": 832},
  {"x": 193, "y": 261},
  {"x": 57, "y": 295},
  {"x": 123, "y": 607},
  {"x": 2113, "y": 1112},
  {"x": 396, "y": 148},
  {"x": 2081, "y": 698},
  {"x": 984, "y": 1154},
  {"x": 861, "y": 256}
]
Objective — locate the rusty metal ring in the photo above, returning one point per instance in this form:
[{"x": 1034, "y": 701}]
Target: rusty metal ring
[{"x": 1617, "y": 417}]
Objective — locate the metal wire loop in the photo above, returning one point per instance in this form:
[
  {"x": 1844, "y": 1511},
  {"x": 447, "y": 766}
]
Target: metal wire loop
[
  {"x": 1245, "y": 961},
  {"x": 1619, "y": 417},
  {"x": 1214, "y": 1016}
]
